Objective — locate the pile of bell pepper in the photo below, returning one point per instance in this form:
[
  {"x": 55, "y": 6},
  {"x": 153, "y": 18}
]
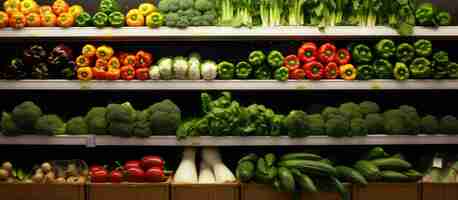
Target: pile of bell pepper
[
  {"x": 101, "y": 63},
  {"x": 27, "y": 13},
  {"x": 320, "y": 62},
  {"x": 148, "y": 169},
  {"x": 146, "y": 14}
]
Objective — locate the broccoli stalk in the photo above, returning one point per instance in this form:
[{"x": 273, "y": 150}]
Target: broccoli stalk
[{"x": 296, "y": 12}]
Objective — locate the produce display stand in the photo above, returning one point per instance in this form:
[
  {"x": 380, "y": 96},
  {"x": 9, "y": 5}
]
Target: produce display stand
[
  {"x": 439, "y": 191},
  {"x": 132, "y": 191},
  {"x": 267, "y": 192},
  {"x": 21, "y": 191},
  {"x": 225, "y": 191},
  {"x": 383, "y": 191}
]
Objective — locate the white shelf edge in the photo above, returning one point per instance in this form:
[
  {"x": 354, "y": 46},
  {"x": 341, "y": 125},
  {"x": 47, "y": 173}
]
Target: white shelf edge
[
  {"x": 66, "y": 140},
  {"x": 229, "y": 85}
]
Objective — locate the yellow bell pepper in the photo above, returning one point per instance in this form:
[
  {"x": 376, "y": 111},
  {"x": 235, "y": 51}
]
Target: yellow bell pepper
[
  {"x": 104, "y": 52},
  {"x": 45, "y": 9},
  {"x": 48, "y": 19},
  {"x": 12, "y": 6},
  {"x": 348, "y": 72},
  {"x": 88, "y": 51},
  {"x": 3, "y": 19},
  {"x": 33, "y": 20},
  {"x": 135, "y": 18},
  {"x": 84, "y": 73},
  {"x": 147, "y": 8},
  {"x": 65, "y": 20},
  {"x": 75, "y": 10},
  {"x": 29, "y": 6}
]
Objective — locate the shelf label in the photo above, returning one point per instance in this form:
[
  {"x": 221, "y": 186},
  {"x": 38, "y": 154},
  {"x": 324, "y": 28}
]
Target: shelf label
[
  {"x": 303, "y": 86},
  {"x": 437, "y": 163},
  {"x": 376, "y": 86},
  {"x": 85, "y": 85}
]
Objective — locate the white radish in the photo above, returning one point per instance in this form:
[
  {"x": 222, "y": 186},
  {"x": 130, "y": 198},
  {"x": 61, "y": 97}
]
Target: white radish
[
  {"x": 222, "y": 173},
  {"x": 187, "y": 171}
]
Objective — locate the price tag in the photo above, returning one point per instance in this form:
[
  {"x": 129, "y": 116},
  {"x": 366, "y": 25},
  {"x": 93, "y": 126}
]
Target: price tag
[
  {"x": 376, "y": 86},
  {"x": 303, "y": 86},
  {"x": 85, "y": 85},
  {"x": 437, "y": 163}
]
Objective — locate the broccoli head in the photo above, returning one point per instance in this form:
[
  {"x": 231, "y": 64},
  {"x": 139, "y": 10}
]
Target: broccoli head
[
  {"x": 394, "y": 126},
  {"x": 448, "y": 125},
  {"x": 358, "y": 127},
  {"x": 316, "y": 125},
  {"x": 185, "y": 4},
  {"x": 171, "y": 19},
  {"x": 369, "y": 107},
  {"x": 411, "y": 119},
  {"x": 350, "y": 110},
  {"x": 8, "y": 125},
  {"x": 183, "y": 22},
  {"x": 295, "y": 123},
  {"x": 204, "y": 5},
  {"x": 374, "y": 123},
  {"x": 142, "y": 124},
  {"x": 50, "y": 125},
  {"x": 77, "y": 126},
  {"x": 165, "y": 117},
  {"x": 25, "y": 115},
  {"x": 121, "y": 129},
  {"x": 277, "y": 125},
  {"x": 429, "y": 125},
  {"x": 96, "y": 120},
  {"x": 330, "y": 112},
  {"x": 166, "y": 6},
  {"x": 120, "y": 113},
  {"x": 337, "y": 126}
]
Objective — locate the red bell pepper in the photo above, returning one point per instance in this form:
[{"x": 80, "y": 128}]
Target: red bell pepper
[
  {"x": 327, "y": 53},
  {"x": 128, "y": 72},
  {"x": 132, "y": 164},
  {"x": 154, "y": 174},
  {"x": 298, "y": 74},
  {"x": 130, "y": 60},
  {"x": 332, "y": 70},
  {"x": 307, "y": 52},
  {"x": 116, "y": 176},
  {"x": 122, "y": 55},
  {"x": 144, "y": 59},
  {"x": 343, "y": 56},
  {"x": 142, "y": 74},
  {"x": 100, "y": 176},
  {"x": 135, "y": 175},
  {"x": 99, "y": 73},
  {"x": 113, "y": 74},
  {"x": 314, "y": 70},
  {"x": 292, "y": 62},
  {"x": 101, "y": 63},
  {"x": 152, "y": 161}
]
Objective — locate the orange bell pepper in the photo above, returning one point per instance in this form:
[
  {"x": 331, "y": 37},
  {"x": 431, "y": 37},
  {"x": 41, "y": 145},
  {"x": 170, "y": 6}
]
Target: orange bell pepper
[
  {"x": 12, "y": 6},
  {"x": 65, "y": 20},
  {"x": 84, "y": 73},
  {"x": 17, "y": 20},
  {"x": 88, "y": 51},
  {"x": 48, "y": 19},
  {"x": 122, "y": 55},
  {"x": 75, "y": 10},
  {"x": 45, "y": 9},
  {"x": 101, "y": 63},
  {"x": 104, "y": 52},
  {"x": 135, "y": 18},
  {"x": 113, "y": 74},
  {"x": 113, "y": 64},
  {"x": 29, "y": 6},
  {"x": 3, "y": 19},
  {"x": 33, "y": 20},
  {"x": 99, "y": 73},
  {"x": 60, "y": 6},
  {"x": 130, "y": 60},
  {"x": 82, "y": 61}
]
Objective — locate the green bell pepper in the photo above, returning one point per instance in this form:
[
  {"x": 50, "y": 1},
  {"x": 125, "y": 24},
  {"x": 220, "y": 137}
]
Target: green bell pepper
[
  {"x": 263, "y": 73},
  {"x": 385, "y": 48},
  {"x": 423, "y": 48},
  {"x": 116, "y": 19},
  {"x": 425, "y": 14},
  {"x": 154, "y": 20},
  {"x": 440, "y": 70},
  {"x": 281, "y": 74},
  {"x": 226, "y": 70},
  {"x": 83, "y": 20},
  {"x": 275, "y": 59},
  {"x": 243, "y": 70},
  {"x": 420, "y": 68},
  {"x": 109, "y": 6},
  {"x": 405, "y": 52},
  {"x": 401, "y": 71},
  {"x": 441, "y": 57},
  {"x": 362, "y": 53},
  {"x": 383, "y": 69},
  {"x": 442, "y": 18},
  {"x": 365, "y": 72},
  {"x": 257, "y": 58},
  {"x": 100, "y": 19},
  {"x": 453, "y": 70}
]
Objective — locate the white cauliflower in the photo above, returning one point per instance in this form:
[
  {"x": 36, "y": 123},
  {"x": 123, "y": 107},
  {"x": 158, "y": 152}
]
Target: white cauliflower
[
  {"x": 154, "y": 73},
  {"x": 180, "y": 67},
  {"x": 193, "y": 67},
  {"x": 209, "y": 70},
  {"x": 166, "y": 68}
]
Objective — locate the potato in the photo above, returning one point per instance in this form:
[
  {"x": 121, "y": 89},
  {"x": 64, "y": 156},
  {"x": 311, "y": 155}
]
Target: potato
[
  {"x": 60, "y": 180},
  {"x": 71, "y": 170},
  {"x": 81, "y": 180},
  {"x": 4, "y": 175},
  {"x": 38, "y": 178},
  {"x": 7, "y": 166},
  {"x": 49, "y": 178},
  {"x": 46, "y": 167},
  {"x": 72, "y": 179}
]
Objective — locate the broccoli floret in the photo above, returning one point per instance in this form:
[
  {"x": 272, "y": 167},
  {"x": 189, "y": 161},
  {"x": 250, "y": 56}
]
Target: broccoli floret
[
  {"x": 165, "y": 117},
  {"x": 187, "y": 129},
  {"x": 369, "y": 107},
  {"x": 185, "y": 4},
  {"x": 295, "y": 123},
  {"x": 142, "y": 124},
  {"x": 25, "y": 115},
  {"x": 330, "y": 112},
  {"x": 448, "y": 125},
  {"x": 393, "y": 113},
  {"x": 121, "y": 129},
  {"x": 411, "y": 119},
  {"x": 316, "y": 125},
  {"x": 183, "y": 21},
  {"x": 394, "y": 126},
  {"x": 337, "y": 126},
  {"x": 50, "y": 125},
  {"x": 8, "y": 126},
  {"x": 350, "y": 110},
  {"x": 358, "y": 127},
  {"x": 166, "y": 6},
  {"x": 77, "y": 126},
  {"x": 374, "y": 123},
  {"x": 277, "y": 125},
  {"x": 198, "y": 21},
  {"x": 429, "y": 125},
  {"x": 210, "y": 17},
  {"x": 204, "y": 5},
  {"x": 171, "y": 19},
  {"x": 120, "y": 113},
  {"x": 96, "y": 121}
]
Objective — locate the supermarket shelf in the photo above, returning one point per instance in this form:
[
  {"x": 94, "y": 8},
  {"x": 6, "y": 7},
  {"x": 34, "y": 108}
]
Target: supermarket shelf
[
  {"x": 65, "y": 140},
  {"x": 230, "y": 85},
  {"x": 212, "y": 33},
  {"x": 276, "y": 141}
]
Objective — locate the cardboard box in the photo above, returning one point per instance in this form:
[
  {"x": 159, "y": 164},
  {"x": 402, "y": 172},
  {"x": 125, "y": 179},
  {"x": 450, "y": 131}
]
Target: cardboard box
[
  {"x": 27, "y": 191},
  {"x": 252, "y": 191},
  {"x": 129, "y": 191},
  {"x": 387, "y": 191},
  {"x": 439, "y": 191},
  {"x": 227, "y": 191}
]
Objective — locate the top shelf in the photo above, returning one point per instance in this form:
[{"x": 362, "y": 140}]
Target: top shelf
[{"x": 213, "y": 33}]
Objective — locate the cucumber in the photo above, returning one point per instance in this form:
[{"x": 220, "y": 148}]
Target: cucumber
[
  {"x": 300, "y": 156},
  {"x": 261, "y": 166},
  {"x": 413, "y": 175},
  {"x": 350, "y": 174},
  {"x": 368, "y": 170},
  {"x": 341, "y": 189},
  {"x": 276, "y": 185},
  {"x": 250, "y": 157},
  {"x": 286, "y": 178},
  {"x": 263, "y": 173},
  {"x": 304, "y": 181},
  {"x": 377, "y": 152},
  {"x": 308, "y": 166},
  {"x": 245, "y": 171},
  {"x": 391, "y": 164},
  {"x": 270, "y": 159},
  {"x": 393, "y": 176}
]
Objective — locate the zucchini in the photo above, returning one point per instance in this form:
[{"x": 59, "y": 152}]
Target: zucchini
[
  {"x": 340, "y": 188},
  {"x": 270, "y": 159},
  {"x": 377, "y": 152},
  {"x": 413, "y": 175},
  {"x": 393, "y": 176},
  {"x": 286, "y": 178},
  {"x": 368, "y": 170},
  {"x": 245, "y": 171},
  {"x": 300, "y": 156},
  {"x": 391, "y": 164},
  {"x": 308, "y": 166},
  {"x": 304, "y": 181},
  {"x": 250, "y": 157},
  {"x": 350, "y": 174}
]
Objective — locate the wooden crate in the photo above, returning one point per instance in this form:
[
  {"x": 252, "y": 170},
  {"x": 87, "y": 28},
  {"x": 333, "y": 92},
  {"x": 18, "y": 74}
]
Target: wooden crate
[
  {"x": 387, "y": 191},
  {"x": 28, "y": 191},
  {"x": 439, "y": 191},
  {"x": 252, "y": 191},
  {"x": 227, "y": 191},
  {"x": 129, "y": 191}
]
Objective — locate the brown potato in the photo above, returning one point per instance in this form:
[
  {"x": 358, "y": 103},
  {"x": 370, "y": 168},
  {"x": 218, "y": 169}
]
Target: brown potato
[
  {"x": 60, "y": 180},
  {"x": 46, "y": 167},
  {"x": 38, "y": 178},
  {"x": 72, "y": 179},
  {"x": 7, "y": 166},
  {"x": 4, "y": 175},
  {"x": 49, "y": 178}
]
